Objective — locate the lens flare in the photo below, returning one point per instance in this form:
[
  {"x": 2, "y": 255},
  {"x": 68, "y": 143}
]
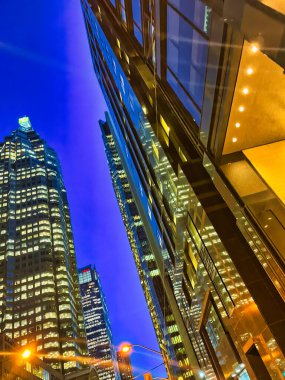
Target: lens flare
[{"x": 26, "y": 354}]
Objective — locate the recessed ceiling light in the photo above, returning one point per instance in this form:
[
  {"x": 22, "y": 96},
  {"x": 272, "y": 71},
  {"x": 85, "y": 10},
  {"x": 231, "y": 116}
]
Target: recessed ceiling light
[
  {"x": 234, "y": 139},
  {"x": 237, "y": 125},
  {"x": 245, "y": 90},
  {"x": 249, "y": 71},
  {"x": 241, "y": 108},
  {"x": 254, "y": 48}
]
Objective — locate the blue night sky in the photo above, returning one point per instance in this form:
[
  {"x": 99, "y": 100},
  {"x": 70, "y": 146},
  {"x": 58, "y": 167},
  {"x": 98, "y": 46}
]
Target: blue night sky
[{"x": 46, "y": 74}]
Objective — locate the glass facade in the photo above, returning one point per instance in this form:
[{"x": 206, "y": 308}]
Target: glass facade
[
  {"x": 97, "y": 324},
  {"x": 156, "y": 297},
  {"x": 187, "y": 49},
  {"x": 137, "y": 20},
  {"x": 259, "y": 87},
  {"x": 40, "y": 301},
  {"x": 194, "y": 131}
]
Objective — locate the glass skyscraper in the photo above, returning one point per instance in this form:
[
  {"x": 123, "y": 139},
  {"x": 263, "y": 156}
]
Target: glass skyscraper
[
  {"x": 97, "y": 325},
  {"x": 163, "y": 319},
  {"x": 195, "y": 96},
  {"x": 39, "y": 291}
]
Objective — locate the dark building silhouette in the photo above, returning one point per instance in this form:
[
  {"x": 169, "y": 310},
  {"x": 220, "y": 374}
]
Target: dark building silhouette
[
  {"x": 195, "y": 91},
  {"x": 125, "y": 366}
]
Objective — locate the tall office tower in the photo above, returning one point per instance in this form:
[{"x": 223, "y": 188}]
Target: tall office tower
[
  {"x": 125, "y": 367},
  {"x": 195, "y": 91},
  {"x": 163, "y": 320},
  {"x": 39, "y": 293},
  {"x": 97, "y": 324}
]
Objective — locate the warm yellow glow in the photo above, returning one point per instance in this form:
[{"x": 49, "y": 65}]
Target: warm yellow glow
[
  {"x": 26, "y": 353},
  {"x": 234, "y": 139},
  {"x": 237, "y": 125},
  {"x": 278, "y": 5},
  {"x": 164, "y": 125},
  {"x": 268, "y": 161},
  {"x": 254, "y": 48},
  {"x": 243, "y": 178},
  {"x": 245, "y": 90},
  {"x": 263, "y": 106},
  {"x": 125, "y": 348}
]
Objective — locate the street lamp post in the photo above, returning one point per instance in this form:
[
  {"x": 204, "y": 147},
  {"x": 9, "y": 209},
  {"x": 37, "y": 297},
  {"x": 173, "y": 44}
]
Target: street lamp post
[{"x": 126, "y": 348}]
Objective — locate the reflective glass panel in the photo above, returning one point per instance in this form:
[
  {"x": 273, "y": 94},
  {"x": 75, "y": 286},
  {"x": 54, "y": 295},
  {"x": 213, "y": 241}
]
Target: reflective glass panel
[
  {"x": 195, "y": 11},
  {"x": 186, "y": 58},
  {"x": 220, "y": 343},
  {"x": 137, "y": 12}
]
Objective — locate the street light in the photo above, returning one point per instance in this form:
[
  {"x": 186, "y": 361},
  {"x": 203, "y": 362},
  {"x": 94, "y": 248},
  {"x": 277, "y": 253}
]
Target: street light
[
  {"x": 26, "y": 354},
  {"x": 126, "y": 348}
]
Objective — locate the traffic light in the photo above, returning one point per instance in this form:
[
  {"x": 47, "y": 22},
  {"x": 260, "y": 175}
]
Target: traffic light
[{"x": 147, "y": 376}]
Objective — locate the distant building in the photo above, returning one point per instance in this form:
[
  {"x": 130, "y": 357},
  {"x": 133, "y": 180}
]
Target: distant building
[
  {"x": 97, "y": 324},
  {"x": 39, "y": 290},
  {"x": 125, "y": 366},
  {"x": 195, "y": 91}
]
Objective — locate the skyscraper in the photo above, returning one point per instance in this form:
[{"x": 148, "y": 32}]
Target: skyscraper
[
  {"x": 160, "y": 311},
  {"x": 195, "y": 96},
  {"x": 97, "y": 324},
  {"x": 39, "y": 292}
]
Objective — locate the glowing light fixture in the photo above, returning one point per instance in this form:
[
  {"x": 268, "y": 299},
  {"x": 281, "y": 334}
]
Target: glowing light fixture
[
  {"x": 144, "y": 110},
  {"x": 241, "y": 108},
  {"x": 249, "y": 71},
  {"x": 245, "y": 90},
  {"x": 234, "y": 139},
  {"x": 126, "y": 348},
  {"x": 254, "y": 48},
  {"x": 201, "y": 374},
  {"x": 26, "y": 354},
  {"x": 237, "y": 125}
]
